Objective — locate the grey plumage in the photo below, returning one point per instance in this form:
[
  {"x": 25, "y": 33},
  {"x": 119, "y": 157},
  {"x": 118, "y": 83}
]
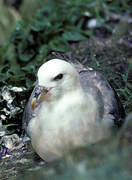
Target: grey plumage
[
  {"x": 96, "y": 82},
  {"x": 78, "y": 109},
  {"x": 93, "y": 82}
]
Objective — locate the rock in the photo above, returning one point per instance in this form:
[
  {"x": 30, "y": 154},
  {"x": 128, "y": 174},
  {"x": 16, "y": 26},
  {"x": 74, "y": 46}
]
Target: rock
[{"x": 12, "y": 142}]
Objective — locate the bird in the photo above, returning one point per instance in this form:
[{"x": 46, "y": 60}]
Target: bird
[{"x": 70, "y": 107}]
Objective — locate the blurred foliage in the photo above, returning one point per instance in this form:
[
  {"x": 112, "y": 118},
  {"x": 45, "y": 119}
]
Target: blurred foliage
[
  {"x": 8, "y": 16},
  {"x": 27, "y": 13}
]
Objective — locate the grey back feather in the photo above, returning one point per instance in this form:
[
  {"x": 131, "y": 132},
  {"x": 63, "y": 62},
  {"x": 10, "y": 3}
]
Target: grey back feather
[{"x": 104, "y": 93}]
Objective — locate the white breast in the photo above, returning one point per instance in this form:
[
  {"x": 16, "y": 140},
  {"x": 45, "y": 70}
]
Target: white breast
[{"x": 71, "y": 122}]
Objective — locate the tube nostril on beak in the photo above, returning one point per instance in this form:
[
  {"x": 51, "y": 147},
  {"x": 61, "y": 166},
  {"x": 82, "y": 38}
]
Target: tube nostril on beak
[
  {"x": 39, "y": 96},
  {"x": 39, "y": 90},
  {"x": 44, "y": 89}
]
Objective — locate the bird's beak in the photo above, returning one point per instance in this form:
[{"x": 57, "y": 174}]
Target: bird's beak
[{"x": 40, "y": 94}]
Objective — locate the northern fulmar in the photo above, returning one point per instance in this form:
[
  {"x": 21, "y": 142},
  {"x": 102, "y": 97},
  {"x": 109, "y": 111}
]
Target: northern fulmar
[{"x": 70, "y": 107}]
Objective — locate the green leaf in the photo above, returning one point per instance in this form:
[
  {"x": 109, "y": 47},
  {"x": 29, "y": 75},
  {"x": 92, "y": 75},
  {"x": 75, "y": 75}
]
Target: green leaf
[
  {"x": 29, "y": 68},
  {"x": 88, "y": 33},
  {"x": 40, "y": 25},
  {"x": 59, "y": 44},
  {"x": 17, "y": 35},
  {"x": 43, "y": 50},
  {"x": 73, "y": 36},
  {"x": 25, "y": 52}
]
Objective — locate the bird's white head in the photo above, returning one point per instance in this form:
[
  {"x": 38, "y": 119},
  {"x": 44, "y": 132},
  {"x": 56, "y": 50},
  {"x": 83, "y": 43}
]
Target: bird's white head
[
  {"x": 57, "y": 77},
  {"x": 57, "y": 72}
]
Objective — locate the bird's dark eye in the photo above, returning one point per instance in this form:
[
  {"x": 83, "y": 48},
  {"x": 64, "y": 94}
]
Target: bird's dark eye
[{"x": 58, "y": 77}]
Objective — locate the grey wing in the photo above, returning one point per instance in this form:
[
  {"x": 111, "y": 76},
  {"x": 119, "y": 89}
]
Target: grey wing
[
  {"x": 28, "y": 112},
  {"x": 94, "y": 82}
]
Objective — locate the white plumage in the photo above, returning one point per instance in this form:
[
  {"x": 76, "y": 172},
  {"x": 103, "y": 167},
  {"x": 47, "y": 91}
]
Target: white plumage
[{"x": 66, "y": 113}]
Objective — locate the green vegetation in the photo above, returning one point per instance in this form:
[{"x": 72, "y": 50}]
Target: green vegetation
[{"x": 45, "y": 26}]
